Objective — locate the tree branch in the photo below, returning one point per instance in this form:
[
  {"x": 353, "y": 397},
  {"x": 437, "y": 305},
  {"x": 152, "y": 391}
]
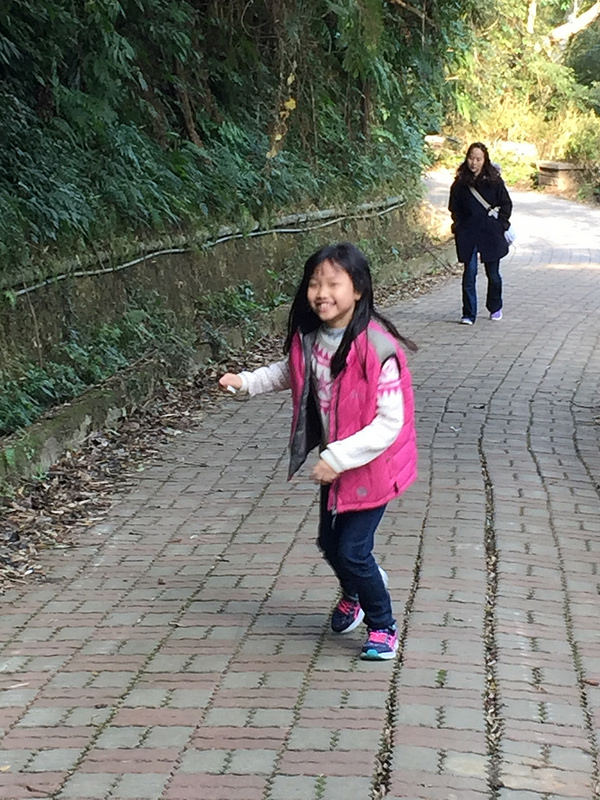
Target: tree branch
[
  {"x": 564, "y": 32},
  {"x": 414, "y": 10}
]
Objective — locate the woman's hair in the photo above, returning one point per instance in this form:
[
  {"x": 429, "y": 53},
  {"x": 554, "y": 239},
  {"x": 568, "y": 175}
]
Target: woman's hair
[
  {"x": 302, "y": 318},
  {"x": 488, "y": 170}
]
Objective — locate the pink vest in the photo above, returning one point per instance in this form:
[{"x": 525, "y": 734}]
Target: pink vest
[{"x": 354, "y": 405}]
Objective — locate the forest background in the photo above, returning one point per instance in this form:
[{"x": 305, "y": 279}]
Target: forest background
[{"x": 132, "y": 125}]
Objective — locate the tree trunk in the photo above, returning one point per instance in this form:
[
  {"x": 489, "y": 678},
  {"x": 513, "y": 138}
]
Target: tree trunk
[
  {"x": 531, "y": 15},
  {"x": 186, "y": 105}
]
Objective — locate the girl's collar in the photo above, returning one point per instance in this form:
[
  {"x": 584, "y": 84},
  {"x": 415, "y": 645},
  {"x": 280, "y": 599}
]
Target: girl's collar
[{"x": 331, "y": 333}]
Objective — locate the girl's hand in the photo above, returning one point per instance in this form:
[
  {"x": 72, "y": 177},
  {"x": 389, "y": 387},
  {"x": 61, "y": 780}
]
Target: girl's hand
[
  {"x": 230, "y": 379},
  {"x": 323, "y": 473}
]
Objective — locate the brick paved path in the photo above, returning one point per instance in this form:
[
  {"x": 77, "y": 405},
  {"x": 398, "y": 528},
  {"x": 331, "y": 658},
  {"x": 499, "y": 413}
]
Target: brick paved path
[{"x": 182, "y": 651}]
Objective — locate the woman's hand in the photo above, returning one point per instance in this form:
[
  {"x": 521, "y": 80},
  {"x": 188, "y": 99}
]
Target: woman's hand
[
  {"x": 229, "y": 379},
  {"x": 323, "y": 473}
]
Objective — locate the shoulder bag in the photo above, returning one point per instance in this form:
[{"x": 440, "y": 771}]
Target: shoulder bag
[{"x": 510, "y": 234}]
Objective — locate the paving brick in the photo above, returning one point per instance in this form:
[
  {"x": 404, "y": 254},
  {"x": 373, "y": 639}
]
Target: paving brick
[
  {"x": 189, "y": 698},
  {"x": 139, "y": 787},
  {"x": 441, "y": 738},
  {"x": 337, "y": 788},
  {"x": 239, "y": 716},
  {"x": 273, "y": 716},
  {"x": 256, "y": 761},
  {"x": 167, "y": 736},
  {"x": 417, "y": 714},
  {"x": 199, "y": 761},
  {"x": 14, "y": 664},
  {"x": 16, "y": 697},
  {"x": 318, "y": 762},
  {"x": 466, "y": 764},
  {"x": 217, "y": 787},
  {"x": 242, "y": 737},
  {"x": 42, "y": 717},
  {"x": 312, "y": 739},
  {"x": 88, "y": 716},
  {"x": 463, "y": 718},
  {"x": 27, "y": 784},
  {"x": 571, "y": 758},
  {"x": 121, "y": 737},
  {"x": 297, "y": 787},
  {"x": 87, "y": 785},
  {"x": 409, "y": 756},
  {"x": 14, "y": 760},
  {"x": 62, "y": 759}
]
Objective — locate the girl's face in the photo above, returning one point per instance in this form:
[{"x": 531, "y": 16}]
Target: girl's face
[
  {"x": 331, "y": 294},
  {"x": 476, "y": 160}
]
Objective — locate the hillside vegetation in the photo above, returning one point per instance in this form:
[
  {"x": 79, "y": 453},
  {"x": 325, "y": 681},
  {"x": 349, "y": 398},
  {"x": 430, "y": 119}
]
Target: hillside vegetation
[
  {"x": 143, "y": 117},
  {"x": 131, "y": 124}
]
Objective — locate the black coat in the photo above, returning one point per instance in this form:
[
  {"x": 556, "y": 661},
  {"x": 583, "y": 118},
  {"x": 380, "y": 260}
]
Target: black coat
[{"x": 473, "y": 228}]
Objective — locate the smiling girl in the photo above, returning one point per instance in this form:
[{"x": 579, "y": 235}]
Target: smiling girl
[{"x": 352, "y": 396}]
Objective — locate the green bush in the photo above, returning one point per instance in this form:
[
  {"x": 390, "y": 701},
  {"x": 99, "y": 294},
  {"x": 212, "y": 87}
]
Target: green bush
[{"x": 29, "y": 389}]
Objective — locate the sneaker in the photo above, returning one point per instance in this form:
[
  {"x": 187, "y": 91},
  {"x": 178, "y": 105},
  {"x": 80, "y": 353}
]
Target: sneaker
[
  {"x": 381, "y": 645},
  {"x": 466, "y": 321},
  {"x": 496, "y": 315},
  {"x": 347, "y": 616}
]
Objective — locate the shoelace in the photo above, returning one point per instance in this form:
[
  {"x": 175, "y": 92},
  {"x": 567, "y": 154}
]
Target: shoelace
[
  {"x": 347, "y": 606},
  {"x": 379, "y": 637}
]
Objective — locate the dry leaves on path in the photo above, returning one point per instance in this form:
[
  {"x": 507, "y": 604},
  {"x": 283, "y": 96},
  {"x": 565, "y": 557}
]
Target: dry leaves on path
[{"x": 78, "y": 490}]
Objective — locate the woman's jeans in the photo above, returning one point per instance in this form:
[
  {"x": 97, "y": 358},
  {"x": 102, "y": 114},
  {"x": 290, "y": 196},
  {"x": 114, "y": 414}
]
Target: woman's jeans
[
  {"x": 347, "y": 541},
  {"x": 493, "y": 301}
]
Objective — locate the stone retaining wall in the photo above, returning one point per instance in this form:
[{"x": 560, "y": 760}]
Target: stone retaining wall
[{"x": 180, "y": 280}]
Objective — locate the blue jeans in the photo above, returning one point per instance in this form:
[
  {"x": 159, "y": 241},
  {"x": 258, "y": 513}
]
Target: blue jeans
[
  {"x": 493, "y": 300},
  {"x": 347, "y": 541}
]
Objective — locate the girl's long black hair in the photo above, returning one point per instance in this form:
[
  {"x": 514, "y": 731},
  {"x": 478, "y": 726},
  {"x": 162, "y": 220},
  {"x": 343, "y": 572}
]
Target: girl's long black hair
[
  {"x": 488, "y": 170},
  {"x": 302, "y": 318}
]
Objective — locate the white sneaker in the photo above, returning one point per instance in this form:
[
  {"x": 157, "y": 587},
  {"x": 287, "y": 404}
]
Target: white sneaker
[{"x": 466, "y": 321}]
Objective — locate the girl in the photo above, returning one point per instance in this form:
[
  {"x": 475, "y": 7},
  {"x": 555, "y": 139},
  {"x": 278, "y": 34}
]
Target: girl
[
  {"x": 352, "y": 396},
  {"x": 479, "y": 224}
]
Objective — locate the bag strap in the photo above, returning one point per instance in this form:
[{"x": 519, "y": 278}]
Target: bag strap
[{"x": 492, "y": 212}]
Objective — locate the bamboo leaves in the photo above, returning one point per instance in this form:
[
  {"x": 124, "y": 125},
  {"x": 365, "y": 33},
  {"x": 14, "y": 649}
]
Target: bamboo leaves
[{"x": 123, "y": 116}]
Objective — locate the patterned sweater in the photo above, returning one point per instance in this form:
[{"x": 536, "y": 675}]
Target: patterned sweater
[{"x": 364, "y": 445}]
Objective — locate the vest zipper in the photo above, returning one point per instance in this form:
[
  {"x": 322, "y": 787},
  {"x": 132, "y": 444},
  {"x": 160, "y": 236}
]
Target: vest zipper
[{"x": 334, "y": 407}]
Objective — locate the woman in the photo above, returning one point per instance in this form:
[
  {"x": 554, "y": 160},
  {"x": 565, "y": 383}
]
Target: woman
[{"x": 480, "y": 208}]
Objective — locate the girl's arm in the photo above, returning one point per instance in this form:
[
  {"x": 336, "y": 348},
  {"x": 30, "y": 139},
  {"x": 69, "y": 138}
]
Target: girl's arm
[
  {"x": 274, "y": 378},
  {"x": 372, "y": 440}
]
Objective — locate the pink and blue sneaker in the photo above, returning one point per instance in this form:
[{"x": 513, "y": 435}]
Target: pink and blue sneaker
[
  {"x": 347, "y": 615},
  {"x": 381, "y": 645}
]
